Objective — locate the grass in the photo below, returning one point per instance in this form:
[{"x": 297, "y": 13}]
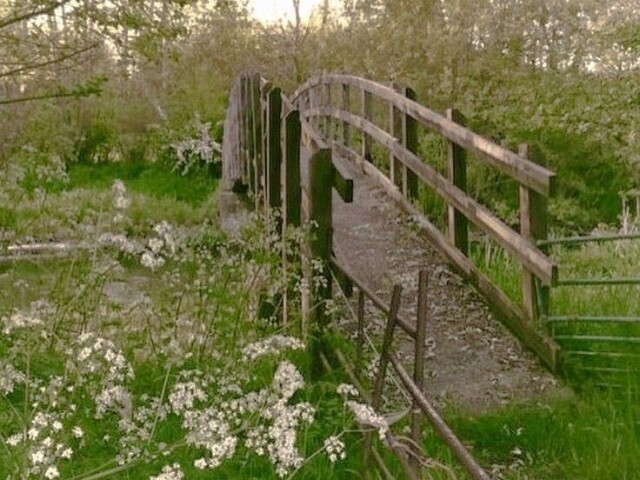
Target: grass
[
  {"x": 196, "y": 313},
  {"x": 594, "y": 435},
  {"x": 81, "y": 207}
]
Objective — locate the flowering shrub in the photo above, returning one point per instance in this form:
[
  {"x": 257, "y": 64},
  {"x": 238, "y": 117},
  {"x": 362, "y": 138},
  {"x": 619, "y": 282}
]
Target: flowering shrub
[
  {"x": 198, "y": 148},
  {"x": 181, "y": 379}
]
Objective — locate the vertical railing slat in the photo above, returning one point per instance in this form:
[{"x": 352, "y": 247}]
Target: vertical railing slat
[
  {"x": 533, "y": 226},
  {"x": 457, "y": 173}
]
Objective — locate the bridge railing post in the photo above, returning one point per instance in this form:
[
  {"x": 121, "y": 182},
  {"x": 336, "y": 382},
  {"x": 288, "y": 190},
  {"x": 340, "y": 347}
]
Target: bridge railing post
[
  {"x": 457, "y": 173},
  {"x": 533, "y": 226},
  {"x": 327, "y": 101},
  {"x": 256, "y": 137},
  {"x": 274, "y": 148},
  {"x": 396, "y": 129},
  {"x": 291, "y": 165},
  {"x": 321, "y": 175},
  {"x": 410, "y": 142},
  {"x": 367, "y": 114},
  {"x": 345, "y": 132}
]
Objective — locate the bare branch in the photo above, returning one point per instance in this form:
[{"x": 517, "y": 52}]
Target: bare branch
[
  {"x": 47, "y": 63},
  {"x": 16, "y": 18}
]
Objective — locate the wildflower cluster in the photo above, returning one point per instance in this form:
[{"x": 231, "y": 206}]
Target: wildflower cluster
[
  {"x": 159, "y": 246},
  {"x": 170, "y": 472},
  {"x": 366, "y": 415},
  {"x": 335, "y": 449},
  {"x": 197, "y": 149},
  {"x": 120, "y": 200},
  {"x": 273, "y": 345}
]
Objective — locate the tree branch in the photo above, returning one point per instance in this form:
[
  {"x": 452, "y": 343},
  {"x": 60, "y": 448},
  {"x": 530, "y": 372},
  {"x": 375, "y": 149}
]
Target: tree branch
[
  {"x": 15, "y": 18},
  {"x": 47, "y": 63}
]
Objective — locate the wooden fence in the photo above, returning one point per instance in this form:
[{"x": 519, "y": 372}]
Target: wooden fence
[
  {"x": 284, "y": 149},
  {"x": 410, "y": 453},
  {"x": 341, "y": 107}
]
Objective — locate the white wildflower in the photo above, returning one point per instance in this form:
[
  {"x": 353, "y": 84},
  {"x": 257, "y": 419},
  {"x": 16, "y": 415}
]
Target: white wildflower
[
  {"x": 287, "y": 380},
  {"x": 170, "y": 472},
  {"x": 365, "y": 415},
  {"x": 66, "y": 453},
  {"x": 51, "y": 473},
  {"x": 151, "y": 261},
  {"x": 77, "y": 432},
  {"x": 347, "y": 390},
  {"x": 155, "y": 245},
  {"x": 9, "y": 378},
  {"x": 14, "y": 440},
  {"x": 184, "y": 395},
  {"x": 335, "y": 449},
  {"x": 273, "y": 345}
]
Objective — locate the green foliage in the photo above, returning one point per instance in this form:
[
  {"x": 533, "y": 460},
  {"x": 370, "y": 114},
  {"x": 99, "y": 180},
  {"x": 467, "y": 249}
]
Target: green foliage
[{"x": 592, "y": 437}]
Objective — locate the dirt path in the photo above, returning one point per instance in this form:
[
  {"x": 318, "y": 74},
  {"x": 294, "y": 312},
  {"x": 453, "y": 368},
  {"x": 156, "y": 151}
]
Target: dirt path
[{"x": 472, "y": 360}]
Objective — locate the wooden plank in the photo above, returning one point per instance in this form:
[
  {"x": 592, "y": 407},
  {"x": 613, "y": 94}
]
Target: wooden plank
[
  {"x": 418, "y": 369},
  {"x": 508, "y": 312},
  {"x": 345, "y": 134},
  {"x": 328, "y": 101},
  {"x": 533, "y": 227},
  {"x": 524, "y": 171},
  {"x": 526, "y": 253},
  {"x": 343, "y": 183},
  {"x": 256, "y": 125},
  {"x": 457, "y": 174},
  {"x": 409, "y": 142},
  {"x": 320, "y": 188},
  {"x": 366, "y": 113},
  {"x": 376, "y": 397},
  {"x": 292, "y": 179},
  {"x": 396, "y": 128},
  {"x": 274, "y": 148}
]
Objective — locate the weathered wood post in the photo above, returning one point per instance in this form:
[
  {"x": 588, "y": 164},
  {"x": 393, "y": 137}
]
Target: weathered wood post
[
  {"x": 321, "y": 219},
  {"x": 418, "y": 370},
  {"x": 533, "y": 226},
  {"x": 385, "y": 350},
  {"x": 291, "y": 190},
  {"x": 396, "y": 129},
  {"x": 345, "y": 133},
  {"x": 264, "y": 145},
  {"x": 410, "y": 142},
  {"x": 367, "y": 114},
  {"x": 274, "y": 148},
  {"x": 457, "y": 173},
  {"x": 256, "y": 140},
  {"x": 327, "y": 101},
  {"x": 232, "y": 160},
  {"x": 291, "y": 165}
]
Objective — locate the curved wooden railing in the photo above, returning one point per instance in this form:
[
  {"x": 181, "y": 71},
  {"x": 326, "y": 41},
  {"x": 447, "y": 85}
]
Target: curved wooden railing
[
  {"x": 328, "y": 103},
  {"x": 325, "y": 120},
  {"x": 288, "y": 152}
]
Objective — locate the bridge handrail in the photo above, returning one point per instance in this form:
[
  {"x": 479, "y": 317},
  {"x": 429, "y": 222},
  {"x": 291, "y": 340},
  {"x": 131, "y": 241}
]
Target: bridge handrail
[
  {"x": 526, "y": 172},
  {"x": 273, "y": 135},
  {"x": 526, "y": 252}
]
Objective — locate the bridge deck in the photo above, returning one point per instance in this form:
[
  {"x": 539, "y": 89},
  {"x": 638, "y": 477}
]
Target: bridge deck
[{"x": 472, "y": 358}]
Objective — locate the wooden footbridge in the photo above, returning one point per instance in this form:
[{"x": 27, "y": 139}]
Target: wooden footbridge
[{"x": 287, "y": 150}]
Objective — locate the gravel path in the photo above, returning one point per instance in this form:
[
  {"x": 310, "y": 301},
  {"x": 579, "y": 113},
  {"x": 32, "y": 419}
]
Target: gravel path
[{"x": 473, "y": 362}]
